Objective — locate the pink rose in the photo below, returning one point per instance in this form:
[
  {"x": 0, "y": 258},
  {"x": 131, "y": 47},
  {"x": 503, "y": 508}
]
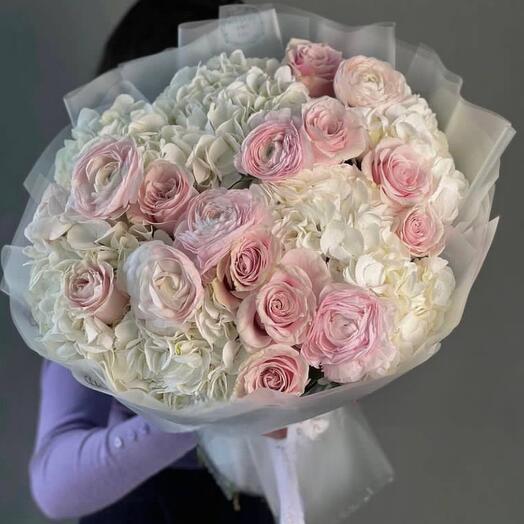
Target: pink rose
[
  {"x": 403, "y": 174},
  {"x": 91, "y": 288},
  {"x": 274, "y": 150},
  {"x": 314, "y": 65},
  {"x": 164, "y": 286},
  {"x": 277, "y": 367},
  {"x": 335, "y": 133},
  {"x": 246, "y": 267},
  {"x": 215, "y": 219},
  {"x": 365, "y": 81},
  {"x": 422, "y": 231},
  {"x": 282, "y": 309},
  {"x": 164, "y": 196},
  {"x": 348, "y": 336},
  {"x": 106, "y": 179}
]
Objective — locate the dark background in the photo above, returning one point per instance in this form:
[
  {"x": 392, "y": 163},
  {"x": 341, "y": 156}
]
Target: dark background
[{"x": 454, "y": 428}]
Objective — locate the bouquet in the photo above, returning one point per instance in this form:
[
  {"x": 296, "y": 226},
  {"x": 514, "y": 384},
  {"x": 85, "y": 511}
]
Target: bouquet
[{"x": 262, "y": 238}]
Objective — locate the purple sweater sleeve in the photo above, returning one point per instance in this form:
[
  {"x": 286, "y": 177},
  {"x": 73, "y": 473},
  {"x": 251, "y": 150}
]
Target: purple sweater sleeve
[{"x": 80, "y": 463}]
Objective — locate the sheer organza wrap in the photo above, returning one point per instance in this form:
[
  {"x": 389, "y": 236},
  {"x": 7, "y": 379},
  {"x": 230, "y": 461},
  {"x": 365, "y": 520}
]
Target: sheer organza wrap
[{"x": 330, "y": 462}]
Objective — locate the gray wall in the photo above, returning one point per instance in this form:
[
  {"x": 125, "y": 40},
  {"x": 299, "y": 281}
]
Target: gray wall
[{"x": 453, "y": 429}]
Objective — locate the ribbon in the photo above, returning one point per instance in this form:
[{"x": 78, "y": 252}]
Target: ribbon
[{"x": 283, "y": 457}]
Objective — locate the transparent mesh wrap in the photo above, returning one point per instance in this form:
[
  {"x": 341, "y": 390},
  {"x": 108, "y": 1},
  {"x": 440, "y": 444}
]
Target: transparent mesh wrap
[{"x": 330, "y": 461}]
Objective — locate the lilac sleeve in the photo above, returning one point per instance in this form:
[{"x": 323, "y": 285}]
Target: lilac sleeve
[{"x": 82, "y": 462}]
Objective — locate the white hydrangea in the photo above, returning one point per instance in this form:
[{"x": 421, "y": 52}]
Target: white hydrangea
[
  {"x": 215, "y": 323},
  {"x": 202, "y": 84},
  {"x": 411, "y": 118},
  {"x": 125, "y": 365},
  {"x": 180, "y": 364},
  {"x": 450, "y": 188},
  {"x": 50, "y": 221},
  {"x": 178, "y": 370},
  {"x": 334, "y": 210}
]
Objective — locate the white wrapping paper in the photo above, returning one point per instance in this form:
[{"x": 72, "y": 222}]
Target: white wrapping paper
[{"x": 331, "y": 462}]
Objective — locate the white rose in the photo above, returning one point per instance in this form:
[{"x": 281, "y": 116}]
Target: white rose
[{"x": 164, "y": 287}]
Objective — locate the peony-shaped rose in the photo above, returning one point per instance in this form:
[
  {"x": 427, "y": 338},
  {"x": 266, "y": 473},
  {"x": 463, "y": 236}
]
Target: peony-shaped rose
[
  {"x": 90, "y": 287},
  {"x": 164, "y": 196},
  {"x": 349, "y": 335},
  {"x": 275, "y": 149},
  {"x": 363, "y": 81},
  {"x": 282, "y": 309},
  {"x": 335, "y": 133},
  {"x": 403, "y": 174},
  {"x": 246, "y": 267},
  {"x": 277, "y": 367},
  {"x": 106, "y": 179},
  {"x": 422, "y": 231},
  {"x": 164, "y": 286},
  {"x": 313, "y": 64},
  {"x": 215, "y": 219}
]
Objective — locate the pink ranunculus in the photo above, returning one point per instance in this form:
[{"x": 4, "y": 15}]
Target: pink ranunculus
[
  {"x": 91, "y": 287},
  {"x": 275, "y": 149},
  {"x": 336, "y": 133},
  {"x": 314, "y": 65},
  {"x": 214, "y": 220},
  {"x": 403, "y": 174},
  {"x": 363, "y": 81},
  {"x": 106, "y": 179},
  {"x": 247, "y": 267},
  {"x": 164, "y": 196},
  {"x": 422, "y": 231},
  {"x": 282, "y": 309},
  {"x": 277, "y": 367},
  {"x": 349, "y": 335},
  {"x": 164, "y": 286}
]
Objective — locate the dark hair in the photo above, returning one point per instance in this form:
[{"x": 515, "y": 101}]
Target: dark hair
[{"x": 151, "y": 26}]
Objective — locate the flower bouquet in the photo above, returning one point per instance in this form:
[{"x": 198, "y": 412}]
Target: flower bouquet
[{"x": 254, "y": 229}]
